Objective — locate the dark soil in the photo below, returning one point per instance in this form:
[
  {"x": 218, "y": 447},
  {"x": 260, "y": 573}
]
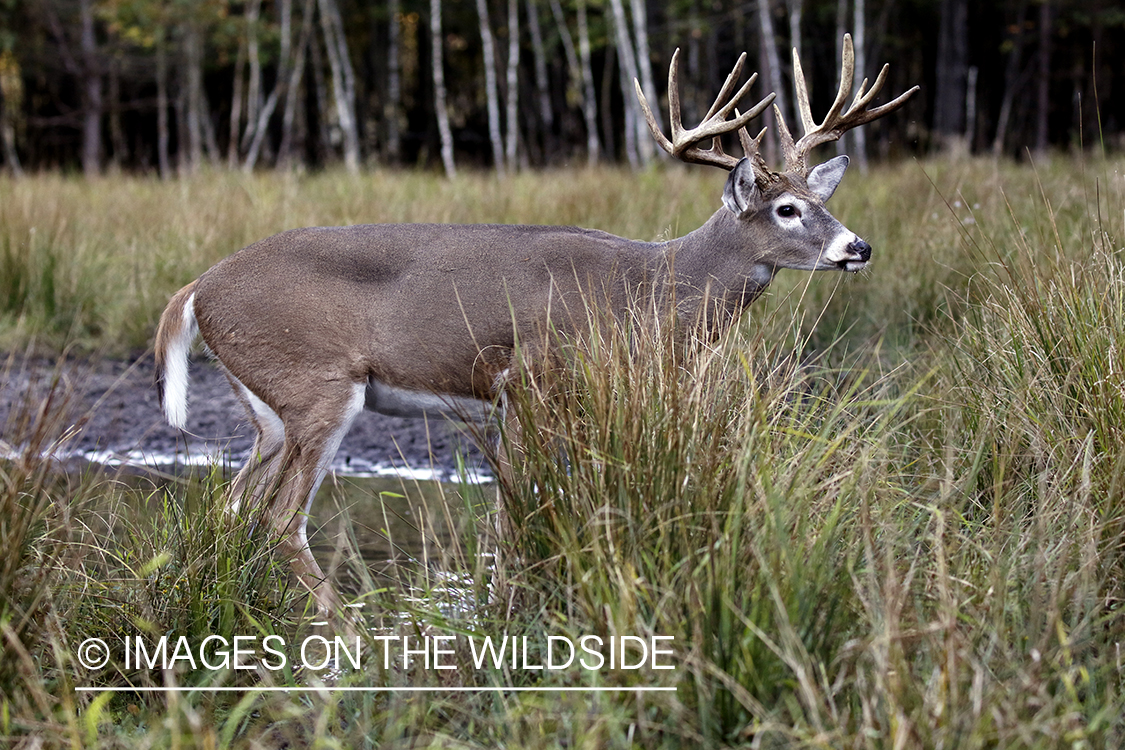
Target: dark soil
[{"x": 116, "y": 411}]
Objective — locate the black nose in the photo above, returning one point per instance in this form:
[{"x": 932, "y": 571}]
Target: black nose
[{"x": 862, "y": 249}]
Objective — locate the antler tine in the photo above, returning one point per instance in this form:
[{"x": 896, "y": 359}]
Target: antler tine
[
  {"x": 750, "y": 145},
  {"x": 834, "y": 123},
  {"x": 684, "y": 144}
]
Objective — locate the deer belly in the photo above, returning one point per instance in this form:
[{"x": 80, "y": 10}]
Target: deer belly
[{"x": 405, "y": 402}]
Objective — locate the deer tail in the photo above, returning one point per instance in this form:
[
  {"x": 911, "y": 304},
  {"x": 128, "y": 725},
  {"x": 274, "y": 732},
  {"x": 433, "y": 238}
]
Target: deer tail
[{"x": 174, "y": 336}]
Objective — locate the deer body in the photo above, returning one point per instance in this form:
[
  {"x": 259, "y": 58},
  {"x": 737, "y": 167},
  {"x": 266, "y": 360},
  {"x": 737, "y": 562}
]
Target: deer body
[{"x": 314, "y": 325}]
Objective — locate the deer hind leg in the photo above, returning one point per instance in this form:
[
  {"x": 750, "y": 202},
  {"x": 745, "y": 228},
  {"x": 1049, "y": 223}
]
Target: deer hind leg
[
  {"x": 312, "y": 436},
  {"x": 262, "y": 467}
]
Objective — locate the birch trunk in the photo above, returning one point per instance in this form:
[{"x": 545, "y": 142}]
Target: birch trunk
[
  {"x": 513, "y": 84},
  {"x": 439, "y": 90},
  {"x": 628, "y": 73},
  {"x": 393, "y": 104},
  {"x": 343, "y": 80},
  {"x": 254, "y": 87},
  {"x": 645, "y": 145},
  {"x": 589, "y": 95},
  {"x": 491, "y": 86},
  {"x": 796, "y": 11},
  {"x": 261, "y": 126},
  {"x": 859, "y": 135},
  {"x": 542, "y": 82},
  {"x": 293, "y": 90}
]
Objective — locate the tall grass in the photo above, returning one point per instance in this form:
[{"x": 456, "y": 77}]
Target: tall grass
[{"x": 886, "y": 512}]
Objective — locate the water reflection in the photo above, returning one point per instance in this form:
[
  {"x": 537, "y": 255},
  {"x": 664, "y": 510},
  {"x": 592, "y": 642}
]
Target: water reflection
[{"x": 405, "y": 532}]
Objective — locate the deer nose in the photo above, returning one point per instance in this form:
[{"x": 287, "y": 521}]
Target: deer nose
[{"x": 861, "y": 248}]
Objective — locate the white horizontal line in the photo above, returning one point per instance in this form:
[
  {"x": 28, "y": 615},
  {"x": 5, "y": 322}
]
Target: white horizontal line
[{"x": 499, "y": 689}]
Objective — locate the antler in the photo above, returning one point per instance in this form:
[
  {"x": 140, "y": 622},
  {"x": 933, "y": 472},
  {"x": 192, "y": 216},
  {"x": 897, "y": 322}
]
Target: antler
[
  {"x": 684, "y": 144},
  {"x": 835, "y": 124}
]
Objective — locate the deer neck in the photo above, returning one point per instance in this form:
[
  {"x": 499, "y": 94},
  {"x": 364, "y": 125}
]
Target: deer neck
[{"x": 713, "y": 274}]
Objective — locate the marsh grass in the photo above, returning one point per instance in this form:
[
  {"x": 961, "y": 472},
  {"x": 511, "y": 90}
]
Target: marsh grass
[{"x": 887, "y": 512}]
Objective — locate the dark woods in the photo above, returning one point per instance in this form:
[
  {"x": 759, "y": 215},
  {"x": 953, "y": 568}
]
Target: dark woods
[{"x": 170, "y": 86}]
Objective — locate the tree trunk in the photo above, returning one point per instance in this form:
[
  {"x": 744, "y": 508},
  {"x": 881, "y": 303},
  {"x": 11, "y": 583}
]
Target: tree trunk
[
  {"x": 439, "y": 89},
  {"x": 320, "y": 84},
  {"x": 542, "y": 83},
  {"x": 92, "y": 94},
  {"x": 490, "y": 86},
  {"x": 192, "y": 94},
  {"x": 627, "y": 74},
  {"x": 236, "y": 106},
  {"x": 254, "y": 87},
  {"x": 1011, "y": 80},
  {"x": 689, "y": 100},
  {"x": 841, "y": 28},
  {"x": 646, "y": 147},
  {"x": 162, "y": 134},
  {"x": 293, "y": 89},
  {"x": 261, "y": 127},
  {"x": 859, "y": 39},
  {"x": 952, "y": 73},
  {"x": 343, "y": 80},
  {"x": 513, "y": 84},
  {"x": 8, "y": 139},
  {"x": 772, "y": 64},
  {"x": 1043, "y": 98},
  {"x": 795, "y": 14},
  {"x": 393, "y": 105},
  {"x": 589, "y": 95}
]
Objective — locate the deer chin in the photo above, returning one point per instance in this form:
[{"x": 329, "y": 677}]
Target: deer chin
[{"x": 854, "y": 266}]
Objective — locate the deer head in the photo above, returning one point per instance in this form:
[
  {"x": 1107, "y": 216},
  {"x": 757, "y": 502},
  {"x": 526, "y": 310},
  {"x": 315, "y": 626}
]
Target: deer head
[{"x": 785, "y": 210}]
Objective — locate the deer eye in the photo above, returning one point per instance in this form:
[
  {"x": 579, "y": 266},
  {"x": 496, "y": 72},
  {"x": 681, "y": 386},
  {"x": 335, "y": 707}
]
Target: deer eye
[{"x": 786, "y": 211}]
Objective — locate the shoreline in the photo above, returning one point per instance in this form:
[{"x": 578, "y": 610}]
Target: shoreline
[{"x": 117, "y": 422}]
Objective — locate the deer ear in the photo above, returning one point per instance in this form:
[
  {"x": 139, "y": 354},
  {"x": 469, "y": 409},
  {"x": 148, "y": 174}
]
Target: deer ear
[
  {"x": 741, "y": 189},
  {"x": 824, "y": 178}
]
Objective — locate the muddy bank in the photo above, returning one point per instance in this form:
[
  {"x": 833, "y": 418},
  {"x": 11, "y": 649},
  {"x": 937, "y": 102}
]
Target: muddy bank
[{"x": 119, "y": 420}]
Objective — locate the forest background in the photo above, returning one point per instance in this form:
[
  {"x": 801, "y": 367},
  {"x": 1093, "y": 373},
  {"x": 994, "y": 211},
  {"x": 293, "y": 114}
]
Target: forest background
[{"x": 169, "y": 86}]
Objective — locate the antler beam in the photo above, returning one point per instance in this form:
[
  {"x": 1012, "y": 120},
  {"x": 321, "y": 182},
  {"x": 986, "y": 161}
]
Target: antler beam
[
  {"x": 836, "y": 122},
  {"x": 684, "y": 144}
]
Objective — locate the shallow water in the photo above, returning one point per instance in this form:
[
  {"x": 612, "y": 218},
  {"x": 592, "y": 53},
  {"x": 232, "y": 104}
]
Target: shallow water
[
  {"x": 391, "y": 522},
  {"x": 416, "y": 538}
]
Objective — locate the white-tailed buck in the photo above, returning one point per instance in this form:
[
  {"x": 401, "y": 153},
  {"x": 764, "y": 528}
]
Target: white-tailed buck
[{"x": 314, "y": 325}]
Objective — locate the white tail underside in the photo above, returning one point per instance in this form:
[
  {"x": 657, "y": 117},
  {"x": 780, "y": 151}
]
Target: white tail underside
[{"x": 176, "y": 368}]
